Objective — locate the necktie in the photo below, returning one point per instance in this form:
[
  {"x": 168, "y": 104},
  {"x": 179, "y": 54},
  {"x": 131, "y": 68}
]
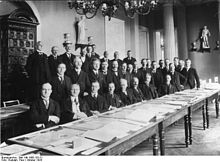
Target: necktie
[
  {"x": 61, "y": 79},
  {"x": 46, "y": 103}
]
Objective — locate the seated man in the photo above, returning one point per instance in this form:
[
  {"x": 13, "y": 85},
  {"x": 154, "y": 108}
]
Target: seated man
[
  {"x": 149, "y": 90},
  {"x": 112, "y": 99},
  {"x": 97, "y": 103},
  {"x": 136, "y": 90},
  {"x": 74, "y": 107},
  {"x": 44, "y": 112},
  {"x": 166, "y": 88},
  {"x": 60, "y": 85},
  {"x": 125, "y": 94}
]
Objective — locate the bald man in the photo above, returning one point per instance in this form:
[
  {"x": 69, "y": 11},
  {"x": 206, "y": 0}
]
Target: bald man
[{"x": 44, "y": 112}]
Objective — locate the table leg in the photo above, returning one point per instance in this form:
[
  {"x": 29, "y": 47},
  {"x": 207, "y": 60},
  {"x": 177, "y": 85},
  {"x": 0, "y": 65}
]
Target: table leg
[
  {"x": 155, "y": 144},
  {"x": 162, "y": 139},
  {"x": 203, "y": 117},
  {"x": 186, "y": 130},
  {"x": 207, "y": 113},
  {"x": 190, "y": 124},
  {"x": 217, "y": 107}
]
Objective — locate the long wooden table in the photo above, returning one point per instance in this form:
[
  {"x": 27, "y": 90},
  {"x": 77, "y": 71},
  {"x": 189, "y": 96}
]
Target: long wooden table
[{"x": 155, "y": 128}]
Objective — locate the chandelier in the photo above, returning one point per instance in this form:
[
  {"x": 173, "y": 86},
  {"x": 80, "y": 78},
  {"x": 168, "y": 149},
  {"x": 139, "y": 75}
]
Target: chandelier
[{"x": 89, "y": 8}]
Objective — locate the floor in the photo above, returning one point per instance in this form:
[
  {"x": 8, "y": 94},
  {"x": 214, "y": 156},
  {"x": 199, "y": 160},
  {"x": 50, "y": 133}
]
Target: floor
[{"x": 205, "y": 142}]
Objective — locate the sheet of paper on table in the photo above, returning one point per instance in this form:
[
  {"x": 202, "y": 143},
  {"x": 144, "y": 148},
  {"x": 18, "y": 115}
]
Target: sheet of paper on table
[
  {"x": 65, "y": 146},
  {"x": 141, "y": 115},
  {"x": 15, "y": 149},
  {"x": 44, "y": 139},
  {"x": 183, "y": 103},
  {"x": 104, "y": 134}
]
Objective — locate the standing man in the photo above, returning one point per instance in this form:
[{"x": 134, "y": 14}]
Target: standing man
[
  {"x": 105, "y": 58},
  {"x": 53, "y": 61},
  {"x": 129, "y": 59},
  {"x": 61, "y": 85},
  {"x": 38, "y": 71},
  {"x": 78, "y": 76},
  {"x": 116, "y": 58},
  {"x": 116, "y": 75},
  {"x": 67, "y": 58},
  {"x": 44, "y": 112},
  {"x": 192, "y": 78}
]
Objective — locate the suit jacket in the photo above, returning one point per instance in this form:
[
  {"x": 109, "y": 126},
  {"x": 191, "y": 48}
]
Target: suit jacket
[
  {"x": 129, "y": 61},
  {"x": 138, "y": 94},
  {"x": 166, "y": 90},
  {"x": 68, "y": 61},
  {"x": 182, "y": 72},
  {"x": 128, "y": 77},
  {"x": 165, "y": 71},
  {"x": 142, "y": 75},
  {"x": 67, "y": 115},
  {"x": 82, "y": 79},
  {"x": 60, "y": 91},
  {"x": 38, "y": 69},
  {"x": 116, "y": 80},
  {"x": 175, "y": 80},
  {"x": 100, "y": 78},
  {"x": 157, "y": 78},
  {"x": 96, "y": 104},
  {"x": 53, "y": 63},
  {"x": 149, "y": 92},
  {"x": 107, "y": 78},
  {"x": 39, "y": 114},
  {"x": 113, "y": 101},
  {"x": 129, "y": 98},
  {"x": 192, "y": 78}
]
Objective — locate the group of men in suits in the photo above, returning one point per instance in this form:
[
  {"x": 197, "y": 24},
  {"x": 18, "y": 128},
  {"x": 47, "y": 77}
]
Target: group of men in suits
[{"x": 80, "y": 86}]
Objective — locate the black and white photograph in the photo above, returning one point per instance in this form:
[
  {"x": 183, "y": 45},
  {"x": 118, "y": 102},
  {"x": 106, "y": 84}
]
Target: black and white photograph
[{"x": 104, "y": 78}]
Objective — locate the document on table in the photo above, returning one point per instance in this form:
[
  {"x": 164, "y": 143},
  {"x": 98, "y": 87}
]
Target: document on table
[
  {"x": 105, "y": 134},
  {"x": 141, "y": 115},
  {"x": 183, "y": 103},
  {"x": 45, "y": 138},
  {"x": 14, "y": 149},
  {"x": 65, "y": 146}
]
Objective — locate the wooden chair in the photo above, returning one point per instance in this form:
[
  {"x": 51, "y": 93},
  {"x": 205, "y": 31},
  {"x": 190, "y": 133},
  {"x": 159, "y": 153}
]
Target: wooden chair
[{"x": 11, "y": 103}]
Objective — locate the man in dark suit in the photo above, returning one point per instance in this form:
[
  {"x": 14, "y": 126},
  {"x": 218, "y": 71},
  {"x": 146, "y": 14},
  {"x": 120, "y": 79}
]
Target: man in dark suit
[
  {"x": 175, "y": 78},
  {"x": 89, "y": 58},
  {"x": 181, "y": 71},
  {"x": 53, "y": 61},
  {"x": 161, "y": 65},
  {"x": 126, "y": 95},
  {"x": 116, "y": 58},
  {"x": 126, "y": 75},
  {"x": 96, "y": 75},
  {"x": 94, "y": 53},
  {"x": 38, "y": 71},
  {"x": 74, "y": 106},
  {"x": 78, "y": 76},
  {"x": 85, "y": 64},
  {"x": 129, "y": 59},
  {"x": 116, "y": 75},
  {"x": 176, "y": 63},
  {"x": 157, "y": 75},
  {"x": 191, "y": 76},
  {"x": 61, "y": 85},
  {"x": 136, "y": 90},
  {"x": 166, "y": 88},
  {"x": 107, "y": 75},
  {"x": 143, "y": 70},
  {"x": 67, "y": 58},
  {"x": 166, "y": 69},
  {"x": 149, "y": 90},
  {"x": 111, "y": 98},
  {"x": 135, "y": 71},
  {"x": 44, "y": 112},
  {"x": 97, "y": 103}
]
